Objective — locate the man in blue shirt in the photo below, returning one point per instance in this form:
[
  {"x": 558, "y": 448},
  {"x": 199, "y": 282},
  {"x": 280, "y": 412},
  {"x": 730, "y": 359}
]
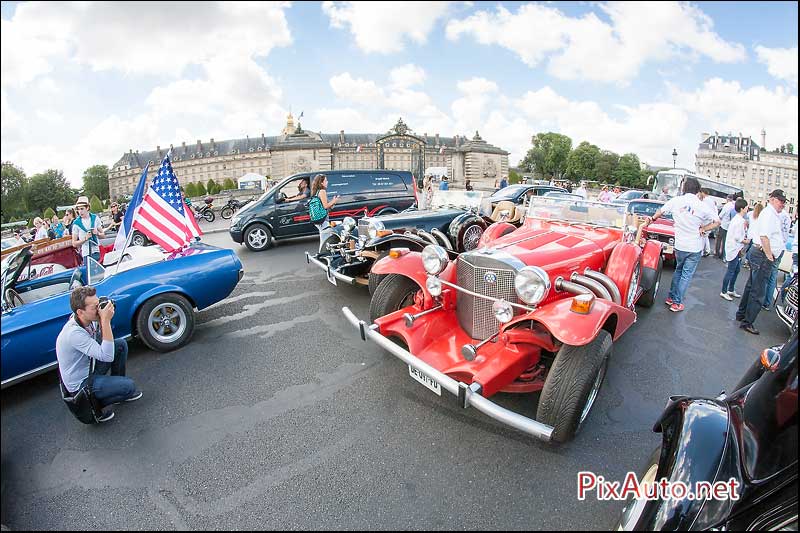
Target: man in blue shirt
[
  {"x": 503, "y": 183},
  {"x": 443, "y": 186}
]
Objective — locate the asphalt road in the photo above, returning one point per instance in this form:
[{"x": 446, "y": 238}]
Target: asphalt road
[{"x": 277, "y": 416}]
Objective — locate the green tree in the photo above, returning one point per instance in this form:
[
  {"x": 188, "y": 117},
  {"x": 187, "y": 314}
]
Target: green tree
[
  {"x": 513, "y": 177},
  {"x": 14, "y": 188},
  {"x": 790, "y": 148},
  {"x": 605, "y": 166},
  {"x": 95, "y": 181},
  {"x": 628, "y": 172},
  {"x": 582, "y": 161},
  {"x": 190, "y": 190},
  {"x": 47, "y": 189},
  {"x": 228, "y": 184},
  {"x": 211, "y": 186},
  {"x": 201, "y": 190},
  {"x": 549, "y": 154},
  {"x": 48, "y": 214},
  {"x": 95, "y": 204}
]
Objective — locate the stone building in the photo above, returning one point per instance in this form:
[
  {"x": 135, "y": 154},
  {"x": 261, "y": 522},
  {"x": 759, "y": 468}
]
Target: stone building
[
  {"x": 297, "y": 150},
  {"x": 738, "y": 161}
]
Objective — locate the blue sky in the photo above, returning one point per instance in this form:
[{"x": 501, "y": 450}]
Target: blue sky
[{"x": 83, "y": 83}]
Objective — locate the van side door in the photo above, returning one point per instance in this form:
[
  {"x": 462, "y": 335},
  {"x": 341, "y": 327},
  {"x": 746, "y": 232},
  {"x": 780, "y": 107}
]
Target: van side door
[{"x": 291, "y": 218}]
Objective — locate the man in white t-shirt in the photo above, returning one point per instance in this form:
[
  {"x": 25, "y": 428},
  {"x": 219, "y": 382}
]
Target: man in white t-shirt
[
  {"x": 86, "y": 230},
  {"x": 726, "y": 214},
  {"x": 708, "y": 200},
  {"x": 581, "y": 190},
  {"x": 763, "y": 256},
  {"x": 735, "y": 241},
  {"x": 693, "y": 219}
]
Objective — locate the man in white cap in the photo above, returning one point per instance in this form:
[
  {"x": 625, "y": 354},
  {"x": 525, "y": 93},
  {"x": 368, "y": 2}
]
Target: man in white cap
[{"x": 86, "y": 229}]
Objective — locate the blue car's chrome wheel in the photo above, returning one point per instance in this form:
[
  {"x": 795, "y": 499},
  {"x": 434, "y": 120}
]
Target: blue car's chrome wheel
[{"x": 167, "y": 322}]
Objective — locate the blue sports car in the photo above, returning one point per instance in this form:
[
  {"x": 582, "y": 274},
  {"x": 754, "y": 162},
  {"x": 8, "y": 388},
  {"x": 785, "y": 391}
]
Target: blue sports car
[{"x": 155, "y": 295}]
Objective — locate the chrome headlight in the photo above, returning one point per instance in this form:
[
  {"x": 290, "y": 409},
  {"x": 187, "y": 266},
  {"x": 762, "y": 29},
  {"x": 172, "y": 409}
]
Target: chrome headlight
[
  {"x": 503, "y": 311},
  {"x": 348, "y": 224},
  {"x": 434, "y": 286},
  {"x": 374, "y": 227},
  {"x": 532, "y": 284},
  {"x": 671, "y": 241},
  {"x": 434, "y": 259}
]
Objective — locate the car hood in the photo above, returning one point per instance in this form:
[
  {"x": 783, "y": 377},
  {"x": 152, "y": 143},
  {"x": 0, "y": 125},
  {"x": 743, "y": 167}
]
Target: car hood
[
  {"x": 555, "y": 246},
  {"x": 666, "y": 227},
  {"x": 411, "y": 219}
]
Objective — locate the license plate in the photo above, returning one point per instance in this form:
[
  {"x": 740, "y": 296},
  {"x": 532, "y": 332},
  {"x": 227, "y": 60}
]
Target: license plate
[
  {"x": 668, "y": 249},
  {"x": 425, "y": 380}
]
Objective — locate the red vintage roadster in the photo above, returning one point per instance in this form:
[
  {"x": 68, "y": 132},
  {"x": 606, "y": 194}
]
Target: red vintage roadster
[{"x": 534, "y": 308}]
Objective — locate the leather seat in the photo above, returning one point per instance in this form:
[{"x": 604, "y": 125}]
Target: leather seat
[{"x": 505, "y": 205}]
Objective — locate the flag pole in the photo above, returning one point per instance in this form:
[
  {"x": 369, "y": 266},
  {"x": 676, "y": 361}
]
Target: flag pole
[{"x": 129, "y": 236}]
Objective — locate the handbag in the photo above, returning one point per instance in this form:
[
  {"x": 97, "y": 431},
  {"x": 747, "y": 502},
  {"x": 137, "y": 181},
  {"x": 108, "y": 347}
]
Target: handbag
[
  {"x": 316, "y": 210},
  {"x": 82, "y": 403}
]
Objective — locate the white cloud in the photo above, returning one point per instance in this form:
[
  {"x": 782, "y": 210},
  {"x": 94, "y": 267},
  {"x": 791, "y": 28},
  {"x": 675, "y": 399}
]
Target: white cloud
[
  {"x": 407, "y": 76},
  {"x": 356, "y": 90},
  {"x": 468, "y": 110},
  {"x": 384, "y": 27},
  {"x": 781, "y": 62},
  {"x": 586, "y": 47},
  {"x": 136, "y": 38}
]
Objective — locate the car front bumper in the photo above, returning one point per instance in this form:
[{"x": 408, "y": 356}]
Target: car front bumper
[
  {"x": 332, "y": 273},
  {"x": 468, "y": 394},
  {"x": 237, "y": 235}
]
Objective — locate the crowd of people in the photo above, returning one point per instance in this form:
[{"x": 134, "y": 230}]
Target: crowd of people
[{"x": 757, "y": 237}]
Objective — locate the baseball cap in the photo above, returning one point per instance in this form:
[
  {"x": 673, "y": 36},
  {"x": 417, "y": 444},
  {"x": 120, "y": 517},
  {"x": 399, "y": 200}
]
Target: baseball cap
[{"x": 778, "y": 193}]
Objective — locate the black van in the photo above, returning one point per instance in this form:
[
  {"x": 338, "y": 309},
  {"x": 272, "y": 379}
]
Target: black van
[{"x": 276, "y": 216}]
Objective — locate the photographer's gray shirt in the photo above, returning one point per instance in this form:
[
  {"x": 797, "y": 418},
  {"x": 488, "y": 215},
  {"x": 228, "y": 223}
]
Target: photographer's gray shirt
[{"x": 74, "y": 346}]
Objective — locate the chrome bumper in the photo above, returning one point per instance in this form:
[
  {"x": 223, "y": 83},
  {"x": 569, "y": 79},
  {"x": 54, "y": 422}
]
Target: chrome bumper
[
  {"x": 467, "y": 394},
  {"x": 330, "y": 273}
]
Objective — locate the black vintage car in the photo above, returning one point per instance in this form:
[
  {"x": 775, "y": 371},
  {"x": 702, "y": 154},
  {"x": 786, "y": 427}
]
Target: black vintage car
[
  {"x": 748, "y": 436},
  {"x": 520, "y": 194},
  {"x": 454, "y": 220}
]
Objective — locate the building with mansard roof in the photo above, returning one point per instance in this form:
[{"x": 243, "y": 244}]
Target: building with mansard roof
[
  {"x": 297, "y": 150},
  {"x": 738, "y": 161}
]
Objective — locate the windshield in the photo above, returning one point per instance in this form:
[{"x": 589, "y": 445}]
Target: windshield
[
  {"x": 580, "y": 212},
  {"x": 508, "y": 192},
  {"x": 669, "y": 180},
  {"x": 647, "y": 209},
  {"x": 629, "y": 195},
  {"x": 95, "y": 270},
  {"x": 456, "y": 199}
]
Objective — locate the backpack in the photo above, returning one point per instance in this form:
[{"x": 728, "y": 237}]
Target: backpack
[{"x": 316, "y": 210}]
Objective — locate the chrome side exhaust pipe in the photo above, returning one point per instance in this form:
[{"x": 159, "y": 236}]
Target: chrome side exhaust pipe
[
  {"x": 607, "y": 282},
  {"x": 595, "y": 286},
  {"x": 563, "y": 285}
]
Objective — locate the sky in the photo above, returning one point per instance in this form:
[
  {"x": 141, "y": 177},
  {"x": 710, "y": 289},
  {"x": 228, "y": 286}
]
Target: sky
[{"x": 84, "y": 82}]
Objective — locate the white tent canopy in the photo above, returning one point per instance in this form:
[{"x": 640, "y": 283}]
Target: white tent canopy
[
  {"x": 251, "y": 180},
  {"x": 436, "y": 171}
]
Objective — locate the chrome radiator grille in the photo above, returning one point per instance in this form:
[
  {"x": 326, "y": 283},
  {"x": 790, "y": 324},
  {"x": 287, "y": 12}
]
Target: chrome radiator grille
[
  {"x": 475, "y": 314},
  {"x": 791, "y": 295}
]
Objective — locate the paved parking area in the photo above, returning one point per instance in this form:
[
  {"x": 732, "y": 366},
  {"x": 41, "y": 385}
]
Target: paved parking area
[{"x": 277, "y": 416}]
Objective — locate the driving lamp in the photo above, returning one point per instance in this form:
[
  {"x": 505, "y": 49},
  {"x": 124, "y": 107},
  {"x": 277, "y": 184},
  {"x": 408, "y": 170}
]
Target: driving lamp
[
  {"x": 671, "y": 241},
  {"x": 434, "y": 286},
  {"x": 532, "y": 284},
  {"x": 348, "y": 223},
  {"x": 374, "y": 227},
  {"x": 434, "y": 259},
  {"x": 503, "y": 311},
  {"x": 582, "y": 304}
]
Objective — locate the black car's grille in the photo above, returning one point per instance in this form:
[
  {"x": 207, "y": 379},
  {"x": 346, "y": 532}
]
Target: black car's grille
[
  {"x": 791, "y": 295},
  {"x": 476, "y": 274},
  {"x": 660, "y": 237}
]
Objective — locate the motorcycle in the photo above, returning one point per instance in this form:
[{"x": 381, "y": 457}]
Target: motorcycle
[
  {"x": 232, "y": 206},
  {"x": 746, "y": 440},
  {"x": 204, "y": 212}
]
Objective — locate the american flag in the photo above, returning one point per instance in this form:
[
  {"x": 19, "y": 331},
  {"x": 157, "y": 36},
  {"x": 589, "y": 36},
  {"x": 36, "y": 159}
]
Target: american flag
[{"x": 162, "y": 216}]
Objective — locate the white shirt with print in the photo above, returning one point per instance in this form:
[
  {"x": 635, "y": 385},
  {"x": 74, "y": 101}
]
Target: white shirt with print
[
  {"x": 689, "y": 214},
  {"x": 733, "y": 241}
]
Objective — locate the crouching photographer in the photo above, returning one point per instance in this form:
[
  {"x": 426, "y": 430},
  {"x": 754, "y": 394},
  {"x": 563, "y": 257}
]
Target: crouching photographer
[{"x": 87, "y": 351}]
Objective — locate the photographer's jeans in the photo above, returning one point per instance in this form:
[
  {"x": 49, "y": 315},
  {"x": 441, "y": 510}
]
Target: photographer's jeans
[
  {"x": 685, "y": 265},
  {"x": 116, "y": 387}
]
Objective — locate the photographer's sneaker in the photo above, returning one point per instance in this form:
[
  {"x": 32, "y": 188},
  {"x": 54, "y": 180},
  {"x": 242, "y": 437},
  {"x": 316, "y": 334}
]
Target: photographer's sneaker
[
  {"x": 734, "y": 294},
  {"x": 107, "y": 415},
  {"x": 726, "y": 295},
  {"x": 136, "y": 396}
]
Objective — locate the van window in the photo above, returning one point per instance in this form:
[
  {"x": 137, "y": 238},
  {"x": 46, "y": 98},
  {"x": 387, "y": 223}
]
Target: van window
[
  {"x": 365, "y": 183},
  {"x": 386, "y": 183}
]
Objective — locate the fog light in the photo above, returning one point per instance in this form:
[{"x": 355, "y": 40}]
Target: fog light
[
  {"x": 503, "y": 311},
  {"x": 434, "y": 286}
]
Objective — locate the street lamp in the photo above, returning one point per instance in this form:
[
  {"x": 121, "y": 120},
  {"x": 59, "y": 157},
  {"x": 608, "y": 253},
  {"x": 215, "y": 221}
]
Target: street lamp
[{"x": 674, "y": 156}]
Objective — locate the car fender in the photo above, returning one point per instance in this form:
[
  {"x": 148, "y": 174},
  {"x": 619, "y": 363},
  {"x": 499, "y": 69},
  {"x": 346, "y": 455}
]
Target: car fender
[
  {"x": 698, "y": 445},
  {"x": 258, "y": 220},
  {"x": 577, "y": 329},
  {"x": 410, "y": 266},
  {"x": 460, "y": 222},
  {"x": 620, "y": 266},
  {"x": 651, "y": 253},
  {"x": 413, "y": 242},
  {"x": 495, "y": 231},
  {"x": 155, "y": 291}
]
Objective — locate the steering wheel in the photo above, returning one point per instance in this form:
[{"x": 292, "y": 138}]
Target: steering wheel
[
  {"x": 280, "y": 197},
  {"x": 13, "y": 298}
]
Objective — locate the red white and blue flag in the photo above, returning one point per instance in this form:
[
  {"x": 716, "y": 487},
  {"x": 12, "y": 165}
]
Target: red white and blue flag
[
  {"x": 163, "y": 216},
  {"x": 126, "y": 227}
]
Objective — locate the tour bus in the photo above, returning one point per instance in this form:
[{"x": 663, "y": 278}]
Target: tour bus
[{"x": 673, "y": 180}]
